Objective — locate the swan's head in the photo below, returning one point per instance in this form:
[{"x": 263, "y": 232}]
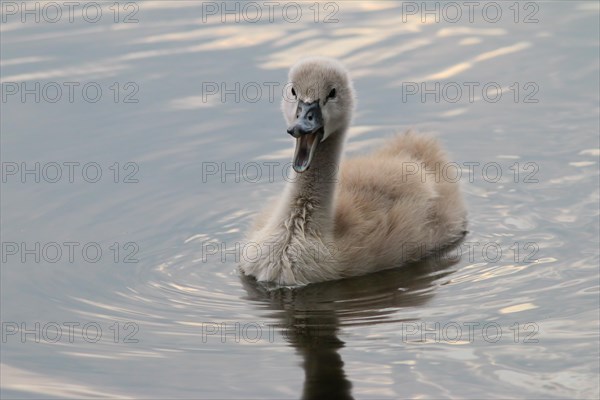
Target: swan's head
[{"x": 318, "y": 104}]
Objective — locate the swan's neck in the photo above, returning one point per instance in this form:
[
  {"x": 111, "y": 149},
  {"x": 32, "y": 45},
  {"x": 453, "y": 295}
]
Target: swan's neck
[{"x": 311, "y": 195}]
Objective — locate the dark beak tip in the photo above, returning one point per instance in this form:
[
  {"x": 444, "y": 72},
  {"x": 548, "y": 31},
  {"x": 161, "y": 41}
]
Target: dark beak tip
[{"x": 301, "y": 170}]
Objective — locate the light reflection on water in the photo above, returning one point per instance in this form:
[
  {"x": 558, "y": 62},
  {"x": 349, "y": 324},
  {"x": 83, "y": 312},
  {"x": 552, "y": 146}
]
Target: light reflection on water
[{"x": 365, "y": 337}]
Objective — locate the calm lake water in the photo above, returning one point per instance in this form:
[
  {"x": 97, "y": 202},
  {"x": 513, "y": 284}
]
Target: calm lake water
[{"x": 125, "y": 284}]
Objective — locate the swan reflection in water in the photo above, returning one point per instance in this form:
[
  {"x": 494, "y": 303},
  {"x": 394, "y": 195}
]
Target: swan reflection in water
[{"x": 309, "y": 317}]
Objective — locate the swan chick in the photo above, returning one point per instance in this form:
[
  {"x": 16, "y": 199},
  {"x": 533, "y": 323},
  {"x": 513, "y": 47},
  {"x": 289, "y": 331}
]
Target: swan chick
[{"x": 338, "y": 219}]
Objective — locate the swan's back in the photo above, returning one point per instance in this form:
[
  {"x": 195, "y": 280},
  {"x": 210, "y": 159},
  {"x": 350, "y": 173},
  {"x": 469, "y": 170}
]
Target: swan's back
[{"x": 389, "y": 210}]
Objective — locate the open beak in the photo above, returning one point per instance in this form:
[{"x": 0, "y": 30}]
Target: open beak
[{"x": 308, "y": 131}]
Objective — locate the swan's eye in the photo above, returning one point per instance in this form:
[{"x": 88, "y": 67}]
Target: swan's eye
[
  {"x": 293, "y": 92},
  {"x": 331, "y": 94}
]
